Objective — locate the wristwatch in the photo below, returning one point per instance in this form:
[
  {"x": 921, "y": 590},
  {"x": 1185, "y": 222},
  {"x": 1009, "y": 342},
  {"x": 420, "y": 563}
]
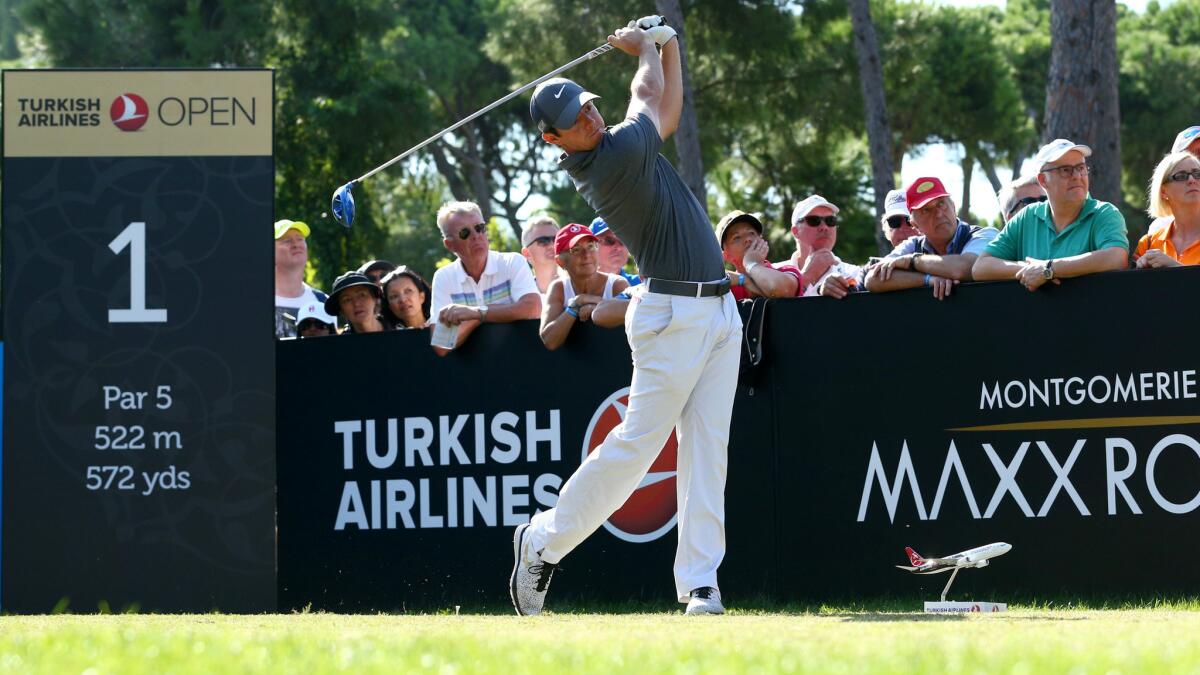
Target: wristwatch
[
  {"x": 912, "y": 263},
  {"x": 482, "y": 313},
  {"x": 1048, "y": 270}
]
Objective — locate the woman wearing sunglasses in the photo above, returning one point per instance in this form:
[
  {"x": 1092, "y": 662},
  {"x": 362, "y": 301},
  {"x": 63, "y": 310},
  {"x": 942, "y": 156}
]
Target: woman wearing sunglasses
[{"x": 1175, "y": 201}]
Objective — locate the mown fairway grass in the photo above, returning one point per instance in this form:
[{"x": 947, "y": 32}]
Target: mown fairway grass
[{"x": 1027, "y": 640}]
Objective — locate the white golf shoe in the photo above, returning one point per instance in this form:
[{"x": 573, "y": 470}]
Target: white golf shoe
[
  {"x": 530, "y": 576},
  {"x": 705, "y": 600}
]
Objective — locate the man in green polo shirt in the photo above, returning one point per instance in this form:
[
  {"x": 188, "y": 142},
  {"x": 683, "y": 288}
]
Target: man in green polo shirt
[{"x": 1069, "y": 235}]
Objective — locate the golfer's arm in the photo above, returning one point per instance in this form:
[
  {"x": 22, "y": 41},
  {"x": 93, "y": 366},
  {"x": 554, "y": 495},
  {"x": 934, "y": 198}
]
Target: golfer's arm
[
  {"x": 672, "y": 97},
  {"x": 647, "y": 87}
]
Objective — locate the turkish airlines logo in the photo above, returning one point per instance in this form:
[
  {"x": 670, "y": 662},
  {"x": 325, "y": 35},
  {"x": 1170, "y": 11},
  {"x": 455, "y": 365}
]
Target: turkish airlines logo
[
  {"x": 650, "y": 512},
  {"x": 129, "y": 112}
]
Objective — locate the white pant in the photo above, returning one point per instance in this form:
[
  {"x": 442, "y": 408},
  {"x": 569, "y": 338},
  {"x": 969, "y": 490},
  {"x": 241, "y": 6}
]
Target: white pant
[{"x": 685, "y": 363}]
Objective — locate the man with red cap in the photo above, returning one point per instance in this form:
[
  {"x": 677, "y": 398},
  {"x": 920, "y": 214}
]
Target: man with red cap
[
  {"x": 572, "y": 298},
  {"x": 1068, "y": 235},
  {"x": 942, "y": 255}
]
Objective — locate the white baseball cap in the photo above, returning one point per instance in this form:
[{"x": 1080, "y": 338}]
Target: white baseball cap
[
  {"x": 1055, "y": 149},
  {"x": 1185, "y": 138},
  {"x": 314, "y": 311},
  {"x": 894, "y": 204},
  {"x": 805, "y": 206}
]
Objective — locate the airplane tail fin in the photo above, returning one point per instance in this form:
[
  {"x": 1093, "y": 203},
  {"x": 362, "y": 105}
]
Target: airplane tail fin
[{"x": 914, "y": 557}]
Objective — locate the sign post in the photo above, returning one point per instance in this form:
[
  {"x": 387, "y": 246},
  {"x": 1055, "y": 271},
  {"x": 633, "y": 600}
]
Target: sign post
[{"x": 138, "y": 453}]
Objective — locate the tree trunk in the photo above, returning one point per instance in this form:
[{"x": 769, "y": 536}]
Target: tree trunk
[
  {"x": 879, "y": 132},
  {"x": 968, "y": 172},
  {"x": 989, "y": 169},
  {"x": 1081, "y": 89},
  {"x": 687, "y": 136}
]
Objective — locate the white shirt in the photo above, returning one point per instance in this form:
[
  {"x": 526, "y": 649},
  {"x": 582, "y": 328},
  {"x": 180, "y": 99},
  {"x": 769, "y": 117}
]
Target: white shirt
[
  {"x": 305, "y": 298},
  {"x": 840, "y": 268},
  {"x": 505, "y": 280},
  {"x": 569, "y": 288}
]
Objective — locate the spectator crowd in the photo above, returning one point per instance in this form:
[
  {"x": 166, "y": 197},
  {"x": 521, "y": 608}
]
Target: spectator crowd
[{"x": 1053, "y": 229}]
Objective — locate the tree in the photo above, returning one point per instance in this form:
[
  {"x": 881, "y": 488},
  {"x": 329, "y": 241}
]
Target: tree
[
  {"x": 879, "y": 132},
  {"x": 1082, "y": 101},
  {"x": 687, "y": 135}
]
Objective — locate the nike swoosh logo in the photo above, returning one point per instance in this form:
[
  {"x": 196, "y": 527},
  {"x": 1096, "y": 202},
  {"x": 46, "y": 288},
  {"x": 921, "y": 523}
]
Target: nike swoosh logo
[{"x": 560, "y": 91}]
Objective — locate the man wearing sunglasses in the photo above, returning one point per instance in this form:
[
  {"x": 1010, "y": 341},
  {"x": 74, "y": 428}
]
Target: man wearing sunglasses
[
  {"x": 814, "y": 226},
  {"x": 481, "y": 285},
  {"x": 942, "y": 255},
  {"x": 1069, "y": 235},
  {"x": 1018, "y": 194},
  {"x": 682, "y": 324},
  {"x": 613, "y": 253},
  {"x": 537, "y": 245},
  {"x": 896, "y": 221}
]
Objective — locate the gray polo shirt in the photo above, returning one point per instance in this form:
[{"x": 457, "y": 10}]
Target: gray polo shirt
[{"x": 637, "y": 192}]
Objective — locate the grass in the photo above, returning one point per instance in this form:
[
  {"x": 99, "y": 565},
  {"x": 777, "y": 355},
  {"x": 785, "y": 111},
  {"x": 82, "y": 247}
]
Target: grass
[{"x": 1027, "y": 639}]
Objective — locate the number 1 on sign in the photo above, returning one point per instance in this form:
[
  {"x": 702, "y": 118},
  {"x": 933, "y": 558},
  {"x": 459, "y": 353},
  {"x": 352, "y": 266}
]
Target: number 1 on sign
[{"x": 134, "y": 236}]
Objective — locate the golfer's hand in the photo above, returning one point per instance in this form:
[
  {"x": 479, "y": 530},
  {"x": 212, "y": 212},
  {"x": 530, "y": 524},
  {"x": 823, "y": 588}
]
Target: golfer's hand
[
  {"x": 631, "y": 40},
  {"x": 656, "y": 27}
]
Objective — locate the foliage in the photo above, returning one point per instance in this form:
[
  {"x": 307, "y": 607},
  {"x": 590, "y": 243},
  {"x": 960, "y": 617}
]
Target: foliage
[{"x": 774, "y": 83}]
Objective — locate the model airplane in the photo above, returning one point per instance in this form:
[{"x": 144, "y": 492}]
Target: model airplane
[{"x": 976, "y": 557}]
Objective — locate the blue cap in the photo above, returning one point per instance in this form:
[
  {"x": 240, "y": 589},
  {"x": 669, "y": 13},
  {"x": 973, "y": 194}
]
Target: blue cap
[
  {"x": 1185, "y": 138},
  {"x": 556, "y": 103},
  {"x": 598, "y": 226}
]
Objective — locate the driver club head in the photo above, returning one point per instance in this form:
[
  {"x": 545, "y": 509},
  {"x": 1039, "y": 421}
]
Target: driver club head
[{"x": 343, "y": 205}]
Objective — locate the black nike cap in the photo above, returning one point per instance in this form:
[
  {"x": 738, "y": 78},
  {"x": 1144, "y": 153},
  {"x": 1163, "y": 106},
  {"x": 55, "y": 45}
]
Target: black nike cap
[{"x": 556, "y": 103}]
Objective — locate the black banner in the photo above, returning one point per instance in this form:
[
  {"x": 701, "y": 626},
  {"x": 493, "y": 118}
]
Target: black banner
[
  {"x": 138, "y": 467},
  {"x": 397, "y": 468}
]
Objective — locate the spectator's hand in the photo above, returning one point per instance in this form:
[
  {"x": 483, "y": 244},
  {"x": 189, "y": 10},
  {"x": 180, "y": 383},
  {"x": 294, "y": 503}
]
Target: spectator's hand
[
  {"x": 455, "y": 314},
  {"x": 885, "y": 268},
  {"x": 1155, "y": 258},
  {"x": 817, "y": 264},
  {"x": 757, "y": 252},
  {"x": 942, "y": 286},
  {"x": 585, "y": 312},
  {"x": 1032, "y": 275},
  {"x": 834, "y": 287}
]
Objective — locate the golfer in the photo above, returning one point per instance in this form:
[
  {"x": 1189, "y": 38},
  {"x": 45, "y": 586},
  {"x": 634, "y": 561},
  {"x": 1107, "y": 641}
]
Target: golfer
[{"x": 682, "y": 324}]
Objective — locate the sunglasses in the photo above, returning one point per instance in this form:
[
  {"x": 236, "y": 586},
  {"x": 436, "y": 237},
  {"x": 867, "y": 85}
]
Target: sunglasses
[
  {"x": 815, "y": 221},
  {"x": 610, "y": 241},
  {"x": 465, "y": 233},
  {"x": 543, "y": 241},
  {"x": 1181, "y": 176},
  {"x": 1023, "y": 202},
  {"x": 1066, "y": 172},
  {"x": 897, "y": 222}
]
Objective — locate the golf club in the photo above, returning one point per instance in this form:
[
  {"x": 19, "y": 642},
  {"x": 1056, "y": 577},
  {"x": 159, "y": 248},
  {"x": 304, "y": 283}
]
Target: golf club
[{"x": 343, "y": 199}]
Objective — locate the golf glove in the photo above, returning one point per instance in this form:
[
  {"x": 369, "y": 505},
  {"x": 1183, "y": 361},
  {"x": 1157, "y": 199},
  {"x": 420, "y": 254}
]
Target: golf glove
[{"x": 656, "y": 27}]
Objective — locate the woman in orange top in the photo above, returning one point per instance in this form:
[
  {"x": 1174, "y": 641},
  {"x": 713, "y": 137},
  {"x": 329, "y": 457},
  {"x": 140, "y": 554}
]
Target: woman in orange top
[{"x": 1175, "y": 197}]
